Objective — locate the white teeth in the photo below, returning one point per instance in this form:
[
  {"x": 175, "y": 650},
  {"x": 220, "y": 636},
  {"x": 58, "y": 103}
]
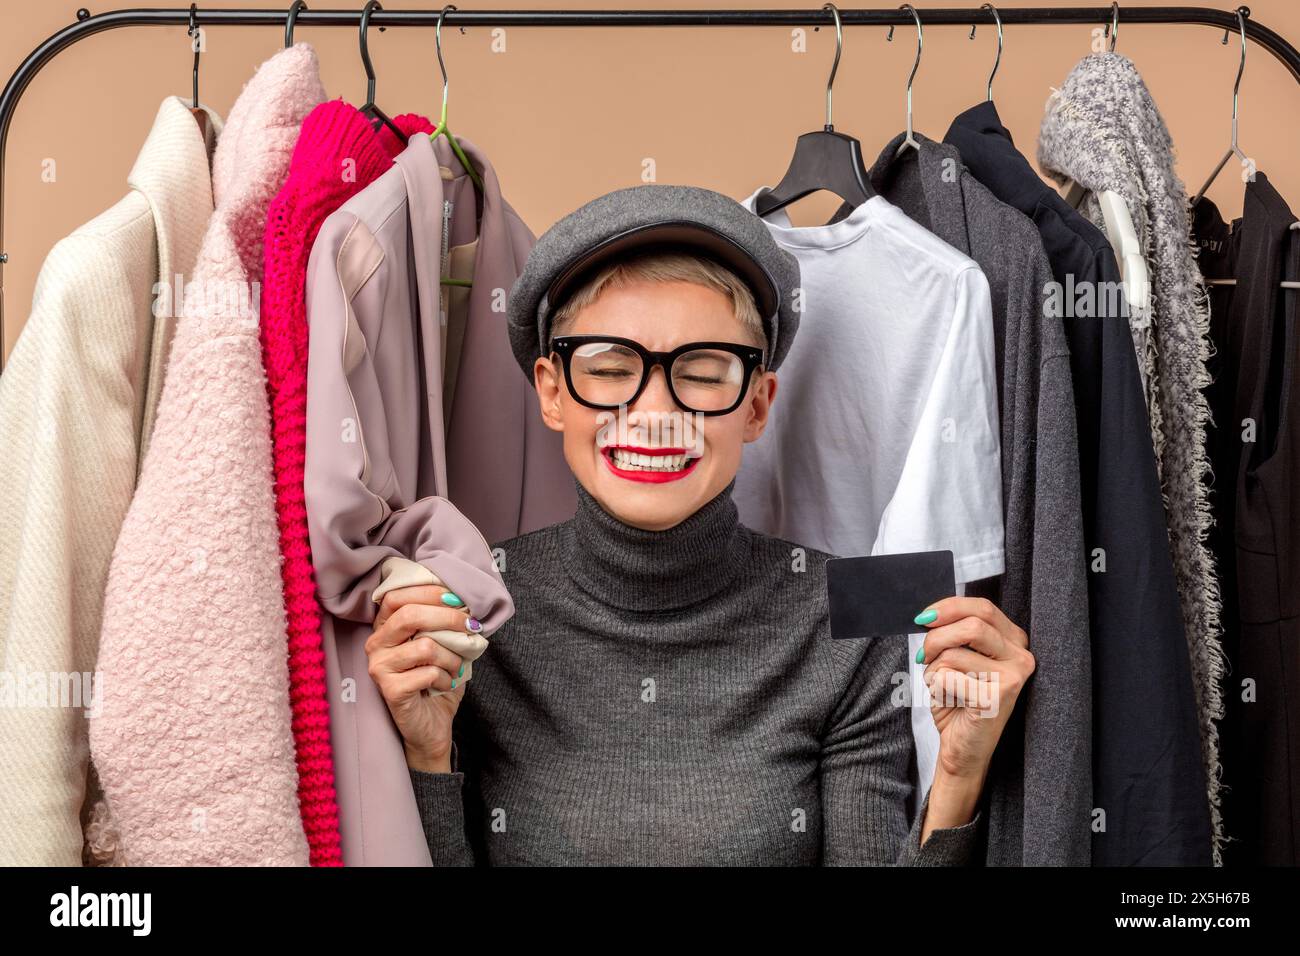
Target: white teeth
[{"x": 636, "y": 461}]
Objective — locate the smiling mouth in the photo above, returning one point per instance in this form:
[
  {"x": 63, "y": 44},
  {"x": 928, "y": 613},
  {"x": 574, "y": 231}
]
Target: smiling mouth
[{"x": 649, "y": 464}]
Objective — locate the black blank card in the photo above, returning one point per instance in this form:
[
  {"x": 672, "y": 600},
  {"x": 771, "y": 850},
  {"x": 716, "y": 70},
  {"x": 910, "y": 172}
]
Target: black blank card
[{"x": 882, "y": 594}]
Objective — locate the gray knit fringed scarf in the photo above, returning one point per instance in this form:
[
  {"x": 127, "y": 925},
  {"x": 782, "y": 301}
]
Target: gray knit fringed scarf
[{"x": 1103, "y": 130}]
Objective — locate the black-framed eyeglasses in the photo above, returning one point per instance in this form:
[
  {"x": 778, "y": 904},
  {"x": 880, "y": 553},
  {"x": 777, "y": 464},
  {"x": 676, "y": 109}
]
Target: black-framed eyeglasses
[{"x": 604, "y": 371}]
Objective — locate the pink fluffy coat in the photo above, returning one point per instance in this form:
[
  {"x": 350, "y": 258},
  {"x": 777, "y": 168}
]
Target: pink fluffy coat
[{"x": 192, "y": 739}]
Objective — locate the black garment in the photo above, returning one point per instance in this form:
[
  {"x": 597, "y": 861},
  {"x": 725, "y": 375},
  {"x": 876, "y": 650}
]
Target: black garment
[
  {"x": 1256, "y": 483},
  {"x": 1148, "y": 771}
]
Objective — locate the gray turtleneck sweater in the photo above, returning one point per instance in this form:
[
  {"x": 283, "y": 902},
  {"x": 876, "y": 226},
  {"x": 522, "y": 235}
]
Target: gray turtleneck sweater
[{"x": 675, "y": 698}]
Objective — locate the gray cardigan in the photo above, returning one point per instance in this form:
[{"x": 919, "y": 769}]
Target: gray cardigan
[
  {"x": 1040, "y": 783},
  {"x": 675, "y": 698}
]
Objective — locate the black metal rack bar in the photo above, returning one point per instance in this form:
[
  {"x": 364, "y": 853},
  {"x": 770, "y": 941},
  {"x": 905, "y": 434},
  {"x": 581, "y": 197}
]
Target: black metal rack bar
[{"x": 88, "y": 25}]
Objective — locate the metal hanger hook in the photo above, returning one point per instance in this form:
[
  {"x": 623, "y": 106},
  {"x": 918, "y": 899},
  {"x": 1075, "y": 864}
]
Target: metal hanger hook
[
  {"x": 839, "y": 48},
  {"x": 196, "y": 41},
  {"x": 998, "y": 20},
  {"x": 1242, "y": 13},
  {"x": 1112, "y": 28},
  {"x": 437, "y": 39},
  {"x": 1233, "y": 149},
  {"x": 297, "y": 8},
  {"x": 370, "y": 7},
  {"x": 915, "y": 64}
]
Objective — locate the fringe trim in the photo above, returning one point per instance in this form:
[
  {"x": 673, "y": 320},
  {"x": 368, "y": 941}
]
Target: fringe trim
[
  {"x": 1178, "y": 409},
  {"x": 1214, "y": 661}
]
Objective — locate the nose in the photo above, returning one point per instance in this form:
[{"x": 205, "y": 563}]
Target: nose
[{"x": 656, "y": 396}]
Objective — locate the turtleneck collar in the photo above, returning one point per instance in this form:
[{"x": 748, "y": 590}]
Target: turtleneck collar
[{"x": 638, "y": 570}]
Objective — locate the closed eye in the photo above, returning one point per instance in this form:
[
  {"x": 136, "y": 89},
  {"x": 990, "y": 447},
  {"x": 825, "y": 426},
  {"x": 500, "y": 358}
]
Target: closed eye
[{"x": 699, "y": 380}]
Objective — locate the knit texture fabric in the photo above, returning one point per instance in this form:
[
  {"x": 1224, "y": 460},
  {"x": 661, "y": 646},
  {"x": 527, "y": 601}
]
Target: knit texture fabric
[
  {"x": 193, "y": 743},
  {"x": 1040, "y": 781},
  {"x": 675, "y": 698},
  {"x": 1103, "y": 130},
  {"x": 337, "y": 154},
  {"x": 76, "y": 400}
]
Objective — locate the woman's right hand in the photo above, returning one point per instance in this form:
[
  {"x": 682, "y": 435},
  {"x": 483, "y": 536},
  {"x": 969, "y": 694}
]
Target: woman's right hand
[{"x": 403, "y": 668}]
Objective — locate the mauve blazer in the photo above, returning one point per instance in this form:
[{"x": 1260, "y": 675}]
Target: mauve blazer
[{"x": 414, "y": 402}]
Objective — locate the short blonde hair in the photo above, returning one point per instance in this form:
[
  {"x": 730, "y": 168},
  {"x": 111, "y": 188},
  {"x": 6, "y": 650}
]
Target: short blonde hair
[{"x": 665, "y": 267}]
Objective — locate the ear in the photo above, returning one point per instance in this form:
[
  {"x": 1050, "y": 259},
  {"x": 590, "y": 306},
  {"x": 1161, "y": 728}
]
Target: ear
[
  {"x": 759, "y": 405},
  {"x": 546, "y": 379}
]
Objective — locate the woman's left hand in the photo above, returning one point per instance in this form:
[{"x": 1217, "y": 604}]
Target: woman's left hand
[{"x": 977, "y": 662}]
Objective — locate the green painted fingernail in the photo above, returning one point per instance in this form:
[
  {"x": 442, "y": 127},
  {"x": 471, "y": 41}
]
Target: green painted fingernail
[
  {"x": 452, "y": 600},
  {"x": 453, "y": 685},
  {"x": 461, "y": 673},
  {"x": 920, "y": 656},
  {"x": 926, "y": 617}
]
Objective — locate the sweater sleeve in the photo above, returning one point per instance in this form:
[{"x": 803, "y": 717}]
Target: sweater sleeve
[
  {"x": 441, "y": 801},
  {"x": 947, "y": 846},
  {"x": 866, "y": 760}
]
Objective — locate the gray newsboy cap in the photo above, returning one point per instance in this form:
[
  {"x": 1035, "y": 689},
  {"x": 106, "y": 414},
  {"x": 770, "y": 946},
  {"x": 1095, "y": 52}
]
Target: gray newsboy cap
[{"x": 635, "y": 219}]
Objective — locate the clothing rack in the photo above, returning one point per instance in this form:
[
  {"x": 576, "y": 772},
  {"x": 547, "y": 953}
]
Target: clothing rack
[{"x": 88, "y": 25}]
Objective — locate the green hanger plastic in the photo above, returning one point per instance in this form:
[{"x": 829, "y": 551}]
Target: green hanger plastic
[{"x": 442, "y": 129}]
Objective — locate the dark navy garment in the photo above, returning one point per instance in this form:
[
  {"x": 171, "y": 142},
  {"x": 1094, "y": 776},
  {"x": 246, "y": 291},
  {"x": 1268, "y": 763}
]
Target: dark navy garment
[{"x": 1149, "y": 777}]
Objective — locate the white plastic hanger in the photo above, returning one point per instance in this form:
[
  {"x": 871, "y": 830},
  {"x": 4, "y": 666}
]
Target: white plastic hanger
[
  {"x": 1123, "y": 239},
  {"x": 1118, "y": 221}
]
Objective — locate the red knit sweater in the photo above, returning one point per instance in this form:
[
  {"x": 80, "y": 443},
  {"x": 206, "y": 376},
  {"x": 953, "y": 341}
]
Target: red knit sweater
[{"x": 337, "y": 155}]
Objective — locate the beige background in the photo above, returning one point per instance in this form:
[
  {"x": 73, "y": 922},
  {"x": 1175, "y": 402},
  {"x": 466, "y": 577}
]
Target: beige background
[{"x": 567, "y": 114}]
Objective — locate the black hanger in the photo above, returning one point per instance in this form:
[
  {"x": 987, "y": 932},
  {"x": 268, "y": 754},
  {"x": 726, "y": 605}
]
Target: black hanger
[
  {"x": 196, "y": 42},
  {"x": 823, "y": 159},
  {"x": 377, "y": 115},
  {"x": 297, "y": 7}
]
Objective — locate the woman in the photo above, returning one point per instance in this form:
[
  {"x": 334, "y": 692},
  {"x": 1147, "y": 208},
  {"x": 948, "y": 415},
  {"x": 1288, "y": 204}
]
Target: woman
[{"x": 667, "y": 691}]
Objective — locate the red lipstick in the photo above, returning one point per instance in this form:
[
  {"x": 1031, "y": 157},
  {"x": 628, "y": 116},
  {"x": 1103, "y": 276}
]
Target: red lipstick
[{"x": 607, "y": 453}]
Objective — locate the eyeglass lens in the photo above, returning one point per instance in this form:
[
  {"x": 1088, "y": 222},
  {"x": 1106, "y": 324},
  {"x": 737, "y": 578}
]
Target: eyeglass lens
[{"x": 705, "y": 380}]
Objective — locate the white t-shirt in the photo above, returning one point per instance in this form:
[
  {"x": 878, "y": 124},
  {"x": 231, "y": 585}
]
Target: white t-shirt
[{"x": 884, "y": 434}]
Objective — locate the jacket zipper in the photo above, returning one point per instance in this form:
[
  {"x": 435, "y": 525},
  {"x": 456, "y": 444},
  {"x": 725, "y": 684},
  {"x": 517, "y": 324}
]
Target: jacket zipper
[{"x": 444, "y": 297}]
